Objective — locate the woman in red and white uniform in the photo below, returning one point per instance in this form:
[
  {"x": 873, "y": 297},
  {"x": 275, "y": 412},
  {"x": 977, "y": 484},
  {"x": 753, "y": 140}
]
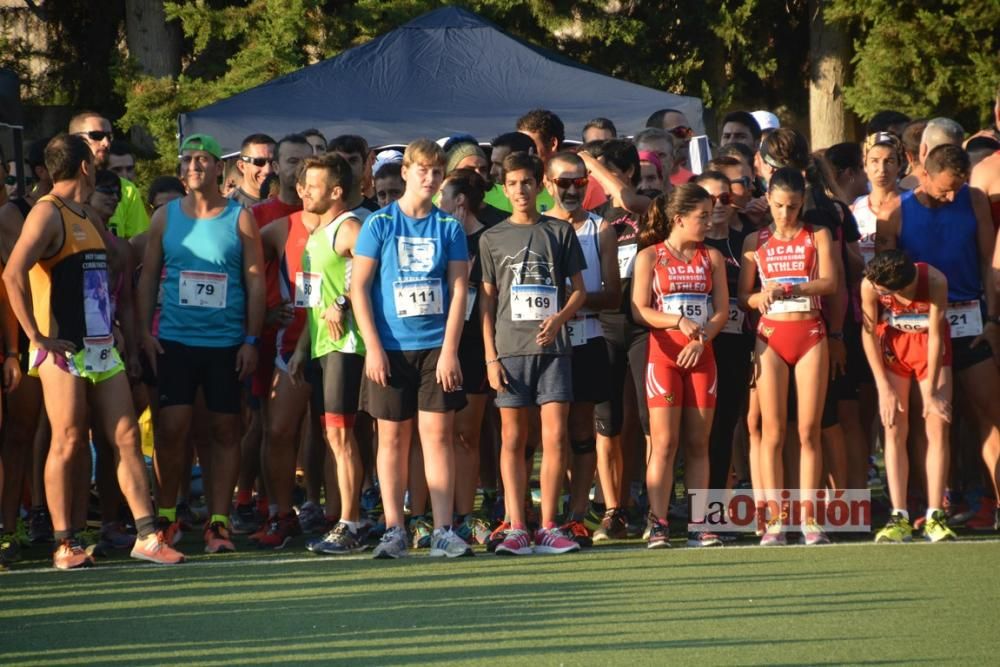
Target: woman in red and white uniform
[
  {"x": 796, "y": 265},
  {"x": 679, "y": 291}
]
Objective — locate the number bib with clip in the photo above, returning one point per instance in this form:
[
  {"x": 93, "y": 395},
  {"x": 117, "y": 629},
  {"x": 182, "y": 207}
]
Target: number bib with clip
[
  {"x": 307, "y": 289},
  {"x": 734, "y": 325},
  {"x": 529, "y": 303},
  {"x": 909, "y": 322},
  {"x": 691, "y": 305},
  {"x": 418, "y": 297},
  {"x": 202, "y": 290},
  {"x": 99, "y": 354},
  {"x": 965, "y": 319},
  {"x": 626, "y": 259},
  {"x": 577, "y": 330},
  {"x": 800, "y": 304}
]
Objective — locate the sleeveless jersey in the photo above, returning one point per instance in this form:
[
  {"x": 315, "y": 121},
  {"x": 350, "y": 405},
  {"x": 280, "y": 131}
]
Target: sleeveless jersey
[
  {"x": 867, "y": 220},
  {"x": 788, "y": 262},
  {"x": 584, "y": 324},
  {"x": 682, "y": 288},
  {"x": 331, "y": 275},
  {"x": 911, "y": 317},
  {"x": 204, "y": 300},
  {"x": 295, "y": 286}
]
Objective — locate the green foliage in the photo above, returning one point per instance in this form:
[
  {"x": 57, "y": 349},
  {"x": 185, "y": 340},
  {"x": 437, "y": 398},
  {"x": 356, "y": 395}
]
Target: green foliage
[{"x": 923, "y": 58}]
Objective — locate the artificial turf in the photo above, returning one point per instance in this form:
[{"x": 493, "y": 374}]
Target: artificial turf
[{"x": 610, "y": 605}]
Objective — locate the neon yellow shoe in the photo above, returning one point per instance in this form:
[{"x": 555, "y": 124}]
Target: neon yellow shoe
[
  {"x": 897, "y": 530},
  {"x": 937, "y": 530}
]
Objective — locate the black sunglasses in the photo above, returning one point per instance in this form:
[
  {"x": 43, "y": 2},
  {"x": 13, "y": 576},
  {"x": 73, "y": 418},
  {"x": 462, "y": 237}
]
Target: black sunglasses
[
  {"x": 564, "y": 183},
  {"x": 255, "y": 161},
  {"x": 98, "y": 135}
]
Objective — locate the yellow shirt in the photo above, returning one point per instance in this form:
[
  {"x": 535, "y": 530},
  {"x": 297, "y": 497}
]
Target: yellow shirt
[{"x": 130, "y": 217}]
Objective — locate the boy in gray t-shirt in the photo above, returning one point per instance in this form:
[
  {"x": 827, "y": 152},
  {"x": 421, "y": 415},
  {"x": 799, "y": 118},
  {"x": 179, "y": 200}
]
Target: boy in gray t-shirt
[{"x": 524, "y": 304}]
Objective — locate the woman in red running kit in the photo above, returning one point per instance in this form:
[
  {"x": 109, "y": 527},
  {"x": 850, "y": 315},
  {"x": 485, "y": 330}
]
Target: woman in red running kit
[
  {"x": 796, "y": 265},
  {"x": 680, "y": 293},
  {"x": 906, "y": 336}
]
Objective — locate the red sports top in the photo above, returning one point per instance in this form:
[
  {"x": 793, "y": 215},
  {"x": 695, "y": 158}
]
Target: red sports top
[
  {"x": 785, "y": 262},
  {"x": 681, "y": 287},
  {"x": 291, "y": 268}
]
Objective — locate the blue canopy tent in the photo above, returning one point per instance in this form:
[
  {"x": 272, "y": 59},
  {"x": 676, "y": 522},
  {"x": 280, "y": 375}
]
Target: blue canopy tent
[{"x": 446, "y": 72}]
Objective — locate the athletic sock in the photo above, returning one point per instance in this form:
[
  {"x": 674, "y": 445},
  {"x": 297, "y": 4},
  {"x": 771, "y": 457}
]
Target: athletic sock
[
  {"x": 902, "y": 513},
  {"x": 930, "y": 512},
  {"x": 352, "y": 525},
  {"x": 169, "y": 513},
  {"x": 244, "y": 496},
  {"x": 145, "y": 526},
  {"x": 219, "y": 518},
  {"x": 59, "y": 535}
]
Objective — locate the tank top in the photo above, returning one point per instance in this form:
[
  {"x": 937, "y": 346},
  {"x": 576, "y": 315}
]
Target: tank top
[
  {"x": 911, "y": 317},
  {"x": 946, "y": 238},
  {"x": 70, "y": 291},
  {"x": 204, "y": 300},
  {"x": 472, "y": 332},
  {"x": 682, "y": 288},
  {"x": 294, "y": 286},
  {"x": 867, "y": 220},
  {"x": 788, "y": 263},
  {"x": 330, "y": 276},
  {"x": 626, "y": 230},
  {"x": 728, "y": 247},
  {"x": 584, "y": 324}
]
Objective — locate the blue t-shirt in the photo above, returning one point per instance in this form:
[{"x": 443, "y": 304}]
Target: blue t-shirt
[{"x": 409, "y": 292}]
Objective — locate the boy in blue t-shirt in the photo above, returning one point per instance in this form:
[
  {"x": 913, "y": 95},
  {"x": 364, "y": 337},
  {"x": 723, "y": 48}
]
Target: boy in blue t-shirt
[{"x": 409, "y": 286}]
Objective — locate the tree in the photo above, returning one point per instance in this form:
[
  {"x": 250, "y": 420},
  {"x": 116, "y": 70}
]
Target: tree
[{"x": 828, "y": 50}]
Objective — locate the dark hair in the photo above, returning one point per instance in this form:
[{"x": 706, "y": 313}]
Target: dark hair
[
  {"x": 163, "y": 184},
  {"x": 35, "y": 155},
  {"x": 948, "y": 157},
  {"x": 299, "y": 139},
  {"x": 467, "y": 182},
  {"x": 601, "y": 124},
  {"x": 548, "y": 125},
  {"x": 519, "y": 161},
  {"x": 845, "y": 156},
  {"x": 63, "y": 155},
  {"x": 338, "y": 171},
  {"x": 723, "y": 161},
  {"x": 565, "y": 156},
  {"x": 656, "y": 118},
  {"x": 711, "y": 175},
  {"x": 787, "y": 178},
  {"x": 257, "y": 138},
  {"x": 982, "y": 143},
  {"x": 883, "y": 121},
  {"x": 313, "y": 132},
  {"x": 740, "y": 152},
  {"x": 785, "y": 147},
  {"x": 746, "y": 119},
  {"x": 623, "y": 155},
  {"x": 891, "y": 269},
  {"x": 595, "y": 147},
  {"x": 656, "y": 223},
  {"x": 389, "y": 170},
  {"x": 912, "y": 134},
  {"x": 121, "y": 147},
  {"x": 107, "y": 178},
  {"x": 348, "y": 143},
  {"x": 517, "y": 142}
]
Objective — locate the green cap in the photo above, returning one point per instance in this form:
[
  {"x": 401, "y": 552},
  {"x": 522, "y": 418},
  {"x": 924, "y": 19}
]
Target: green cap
[{"x": 202, "y": 142}]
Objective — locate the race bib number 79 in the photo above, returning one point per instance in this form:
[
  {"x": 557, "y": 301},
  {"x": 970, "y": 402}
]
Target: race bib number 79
[{"x": 202, "y": 289}]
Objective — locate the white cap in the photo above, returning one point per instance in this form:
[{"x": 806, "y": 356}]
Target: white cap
[
  {"x": 384, "y": 158},
  {"x": 766, "y": 120}
]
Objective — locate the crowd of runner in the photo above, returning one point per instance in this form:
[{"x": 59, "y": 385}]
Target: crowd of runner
[{"x": 370, "y": 346}]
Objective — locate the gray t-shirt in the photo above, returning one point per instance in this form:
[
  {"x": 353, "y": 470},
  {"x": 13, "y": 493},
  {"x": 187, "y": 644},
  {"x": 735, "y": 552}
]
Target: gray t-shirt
[{"x": 529, "y": 265}]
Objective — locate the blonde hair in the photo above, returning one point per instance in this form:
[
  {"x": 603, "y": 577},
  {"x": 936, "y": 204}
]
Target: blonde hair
[{"x": 424, "y": 152}]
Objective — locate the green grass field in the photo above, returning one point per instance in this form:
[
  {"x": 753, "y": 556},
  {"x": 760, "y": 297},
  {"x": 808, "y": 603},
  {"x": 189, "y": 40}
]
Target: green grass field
[{"x": 617, "y": 604}]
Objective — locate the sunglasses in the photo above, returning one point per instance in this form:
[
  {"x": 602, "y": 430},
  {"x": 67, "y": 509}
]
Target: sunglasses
[
  {"x": 723, "y": 198},
  {"x": 12, "y": 180},
  {"x": 255, "y": 161},
  {"x": 681, "y": 132},
  {"x": 111, "y": 192},
  {"x": 98, "y": 135},
  {"x": 565, "y": 183}
]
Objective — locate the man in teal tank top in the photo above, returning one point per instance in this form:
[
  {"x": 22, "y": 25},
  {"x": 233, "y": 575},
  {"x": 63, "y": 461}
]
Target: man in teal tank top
[{"x": 210, "y": 322}]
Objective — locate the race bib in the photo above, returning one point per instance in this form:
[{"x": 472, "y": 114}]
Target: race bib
[
  {"x": 418, "y": 297},
  {"x": 734, "y": 325},
  {"x": 470, "y": 303},
  {"x": 202, "y": 290},
  {"x": 577, "y": 330},
  {"x": 692, "y": 306},
  {"x": 909, "y": 322},
  {"x": 965, "y": 319},
  {"x": 99, "y": 354},
  {"x": 307, "y": 289},
  {"x": 800, "y": 304},
  {"x": 530, "y": 303},
  {"x": 626, "y": 258}
]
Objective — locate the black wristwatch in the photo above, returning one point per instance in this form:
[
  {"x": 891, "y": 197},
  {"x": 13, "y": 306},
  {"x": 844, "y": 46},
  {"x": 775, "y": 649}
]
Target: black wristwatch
[{"x": 341, "y": 303}]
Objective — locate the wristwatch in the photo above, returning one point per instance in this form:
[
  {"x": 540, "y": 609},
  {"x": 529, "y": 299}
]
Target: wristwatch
[
  {"x": 252, "y": 340},
  {"x": 341, "y": 303}
]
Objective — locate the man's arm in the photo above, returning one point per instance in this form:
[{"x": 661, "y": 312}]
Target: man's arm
[
  {"x": 935, "y": 327},
  {"x": 149, "y": 285},
  {"x": 609, "y": 297},
  {"x": 985, "y": 242},
  {"x": 253, "y": 280},
  {"x": 449, "y": 372},
  {"x": 362, "y": 276},
  {"x": 127, "y": 317},
  {"x": 621, "y": 193},
  {"x": 11, "y": 222}
]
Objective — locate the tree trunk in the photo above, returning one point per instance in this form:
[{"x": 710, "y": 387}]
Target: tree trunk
[
  {"x": 828, "y": 51},
  {"x": 154, "y": 43}
]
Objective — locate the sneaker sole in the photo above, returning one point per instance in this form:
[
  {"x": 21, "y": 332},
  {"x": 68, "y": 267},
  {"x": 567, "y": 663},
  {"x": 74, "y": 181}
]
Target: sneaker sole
[
  {"x": 345, "y": 552},
  {"x": 556, "y": 550},
  {"x": 658, "y": 545},
  {"x": 220, "y": 550},
  {"x": 697, "y": 544},
  {"x": 886, "y": 540},
  {"x": 154, "y": 560},
  {"x": 442, "y": 553},
  {"x": 84, "y": 564},
  {"x": 388, "y": 556},
  {"x": 274, "y": 547},
  {"x": 506, "y": 551}
]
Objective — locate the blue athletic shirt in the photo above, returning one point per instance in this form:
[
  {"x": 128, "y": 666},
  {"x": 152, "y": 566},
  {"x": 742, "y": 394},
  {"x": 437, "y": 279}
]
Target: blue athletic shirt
[
  {"x": 946, "y": 238},
  {"x": 204, "y": 300},
  {"x": 409, "y": 291}
]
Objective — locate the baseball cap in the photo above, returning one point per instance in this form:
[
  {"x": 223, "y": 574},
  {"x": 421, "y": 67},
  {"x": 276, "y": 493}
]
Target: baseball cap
[
  {"x": 202, "y": 142},
  {"x": 766, "y": 120}
]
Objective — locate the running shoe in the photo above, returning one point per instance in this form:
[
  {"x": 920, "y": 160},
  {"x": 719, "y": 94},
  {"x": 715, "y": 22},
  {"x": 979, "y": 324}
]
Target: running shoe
[
  {"x": 371, "y": 500},
  {"x": 90, "y": 541},
  {"x": 10, "y": 548},
  {"x": 577, "y": 532},
  {"x": 114, "y": 536},
  {"x": 156, "y": 549},
  {"x": 280, "y": 531},
  {"x": 420, "y": 529},
  {"x": 187, "y": 517},
  {"x": 896, "y": 530},
  {"x": 255, "y": 536},
  {"x": 554, "y": 541},
  {"x": 473, "y": 530},
  {"x": 515, "y": 543},
  {"x": 614, "y": 526},
  {"x": 445, "y": 543},
  {"x": 339, "y": 541},
  {"x": 498, "y": 535},
  {"x": 244, "y": 520},
  {"x": 592, "y": 519},
  {"x": 171, "y": 530},
  {"x": 657, "y": 533},
  {"x": 812, "y": 534},
  {"x": 773, "y": 535},
  {"x": 936, "y": 528},
  {"x": 703, "y": 538},
  {"x": 312, "y": 520},
  {"x": 39, "y": 525},
  {"x": 392, "y": 544},
  {"x": 217, "y": 539},
  {"x": 69, "y": 555},
  {"x": 985, "y": 517}
]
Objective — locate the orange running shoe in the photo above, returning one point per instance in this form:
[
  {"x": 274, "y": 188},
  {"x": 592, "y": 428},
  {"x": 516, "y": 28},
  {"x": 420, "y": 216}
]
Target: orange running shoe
[
  {"x": 69, "y": 555},
  {"x": 172, "y": 531},
  {"x": 577, "y": 532},
  {"x": 217, "y": 539},
  {"x": 156, "y": 549}
]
